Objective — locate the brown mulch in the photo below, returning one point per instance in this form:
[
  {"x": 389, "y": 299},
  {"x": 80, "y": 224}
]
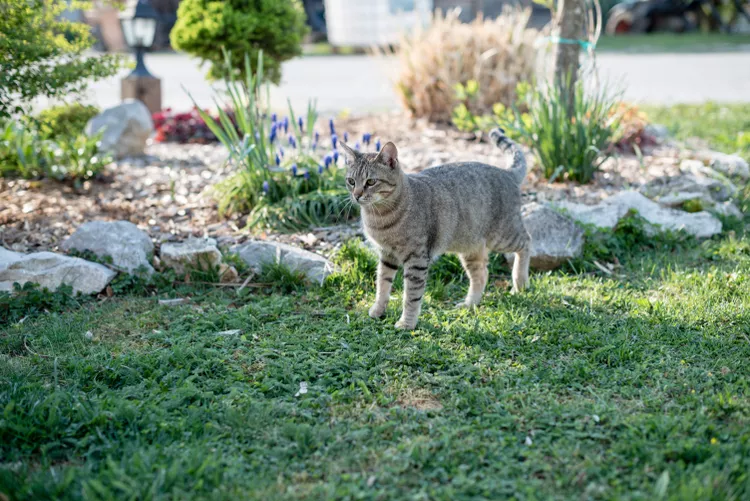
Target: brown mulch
[{"x": 167, "y": 194}]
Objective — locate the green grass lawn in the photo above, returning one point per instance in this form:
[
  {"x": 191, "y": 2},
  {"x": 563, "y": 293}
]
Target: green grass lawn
[
  {"x": 725, "y": 127},
  {"x": 674, "y": 42},
  {"x": 642, "y": 44},
  {"x": 625, "y": 386},
  {"x": 630, "y": 385}
]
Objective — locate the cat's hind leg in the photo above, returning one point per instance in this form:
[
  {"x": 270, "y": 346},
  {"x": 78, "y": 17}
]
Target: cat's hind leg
[
  {"x": 516, "y": 240},
  {"x": 521, "y": 269},
  {"x": 475, "y": 264}
]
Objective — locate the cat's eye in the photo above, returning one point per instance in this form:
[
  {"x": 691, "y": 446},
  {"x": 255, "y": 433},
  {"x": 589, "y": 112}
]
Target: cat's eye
[
  {"x": 371, "y": 182},
  {"x": 350, "y": 180}
]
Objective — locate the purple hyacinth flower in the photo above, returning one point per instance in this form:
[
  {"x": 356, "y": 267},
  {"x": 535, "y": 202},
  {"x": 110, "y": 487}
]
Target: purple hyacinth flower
[
  {"x": 330, "y": 124},
  {"x": 278, "y": 160},
  {"x": 265, "y": 187},
  {"x": 334, "y": 140},
  {"x": 366, "y": 137},
  {"x": 292, "y": 141},
  {"x": 328, "y": 159},
  {"x": 346, "y": 137},
  {"x": 335, "y": 156},
  {"x": 286, "y": 125},
  {"x": 320, "y": 169},
  {"x": 307, "y": 174},
  {"x": 377, "y": 145},
  {"x": 357, "y": 146},
  {"x": 317, "y": 136},
  {"x": 301, "y": 124},
  {"x": 281, "y": 152},
  {"x": 273, "y": 118},
  {"x": 294, "y": 169},
  {"x": 272, "y": 135}
]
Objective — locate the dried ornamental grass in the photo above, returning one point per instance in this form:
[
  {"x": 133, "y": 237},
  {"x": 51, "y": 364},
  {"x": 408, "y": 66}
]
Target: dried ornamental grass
[{"x": 496, "y": 53}]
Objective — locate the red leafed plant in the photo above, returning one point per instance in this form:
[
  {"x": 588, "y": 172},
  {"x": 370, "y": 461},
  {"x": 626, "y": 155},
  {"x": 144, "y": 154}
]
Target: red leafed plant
[
  {"x": 186, "y": 127},
  {"x": 632, "y": 132}
]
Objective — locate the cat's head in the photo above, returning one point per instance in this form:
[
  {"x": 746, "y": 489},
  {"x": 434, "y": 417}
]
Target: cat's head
[{"x": 372, "y": 178}]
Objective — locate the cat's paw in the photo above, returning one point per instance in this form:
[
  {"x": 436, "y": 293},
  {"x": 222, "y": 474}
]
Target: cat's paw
[
  {"x": 376, "y": 311},
  {"x": 404, "y": 325}
]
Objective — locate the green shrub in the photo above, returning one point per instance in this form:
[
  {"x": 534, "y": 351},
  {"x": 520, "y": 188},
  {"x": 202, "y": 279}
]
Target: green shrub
[
  {"x": 280, "y": 178},
  {"x": 64, "y": 121},
  {"x": 274, "y": 27},
  {"x": 21, "y": 151},
  {"x": 570, "y": 149},
  {"x": 24, "y": 153},
  {"x": 42, "y": 54},
  {"x": 466, "y": 121},
  {"x": 75, "y": 159},
  {"x": 566, "y": 147}
]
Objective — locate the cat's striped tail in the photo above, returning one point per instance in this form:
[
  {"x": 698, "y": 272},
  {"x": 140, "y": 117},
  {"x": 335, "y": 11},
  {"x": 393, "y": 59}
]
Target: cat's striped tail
[{"x": 516, "y": 159}]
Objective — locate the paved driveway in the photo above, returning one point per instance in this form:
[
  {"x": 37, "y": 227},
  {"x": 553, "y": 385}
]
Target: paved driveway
[{"x": 362, "y": 84}]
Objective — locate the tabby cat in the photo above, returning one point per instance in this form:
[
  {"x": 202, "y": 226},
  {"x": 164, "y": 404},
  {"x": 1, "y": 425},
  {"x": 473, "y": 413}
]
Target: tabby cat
[{"x": 466, "y": 208}]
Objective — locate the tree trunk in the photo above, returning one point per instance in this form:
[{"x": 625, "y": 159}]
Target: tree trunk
[{"x": 572, "y": 19}]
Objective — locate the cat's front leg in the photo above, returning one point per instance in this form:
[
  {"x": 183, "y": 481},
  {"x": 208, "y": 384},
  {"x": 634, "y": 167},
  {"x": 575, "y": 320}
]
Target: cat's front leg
[
  {"x": 415, "y": 279},
  {"x": 387, "y": 268}
]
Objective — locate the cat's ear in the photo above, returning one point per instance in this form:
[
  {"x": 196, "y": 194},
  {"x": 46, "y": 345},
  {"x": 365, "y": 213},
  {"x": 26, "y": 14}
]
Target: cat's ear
[
  {"x": 388, "y": 155},
  {"x": 349, "y": 153}
]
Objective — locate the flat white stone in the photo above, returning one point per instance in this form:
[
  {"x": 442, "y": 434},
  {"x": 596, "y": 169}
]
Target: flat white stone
[
  {"x": 257, "y": 253},
  {"x": 555, "y": 238},
  {"x": 122, "y": 241},
  {"x": 52, "y": 270},
  {"x": 198, "y": 253}
]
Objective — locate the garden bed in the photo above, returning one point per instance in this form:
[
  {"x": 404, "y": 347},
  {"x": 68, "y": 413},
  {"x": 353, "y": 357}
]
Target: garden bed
[{"x": 167, "y": 194}]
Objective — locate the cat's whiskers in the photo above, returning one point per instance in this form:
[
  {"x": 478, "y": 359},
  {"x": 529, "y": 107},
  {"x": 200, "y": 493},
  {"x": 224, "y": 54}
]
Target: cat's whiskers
[
  {"x": 349, "y": 206},
  {"x": 347, "y": 202}
]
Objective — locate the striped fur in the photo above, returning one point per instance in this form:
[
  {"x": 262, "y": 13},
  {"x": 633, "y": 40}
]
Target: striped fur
[{"x": 464, "y": 208}]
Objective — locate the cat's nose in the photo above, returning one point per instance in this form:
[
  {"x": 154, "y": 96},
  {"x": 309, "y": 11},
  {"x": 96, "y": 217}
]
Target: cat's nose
[{"x": 357, "y": 193}]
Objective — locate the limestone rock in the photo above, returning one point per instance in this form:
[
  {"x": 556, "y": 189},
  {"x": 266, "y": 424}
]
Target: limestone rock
[
  {"x": 601, "y": 215},
  {"x": 674, "y": 191},
  {"x": 731, "y": 165},
  {"x": 257, "y": 253},
  {"x": 692, "y": 165},
  {"x": 200, "y": 253},
  {"x": 700, "y": 224},
  {"x": 126, "y": 127},
  {"x": 658, "y": 132},
  {"x": 52, "y": 270},
  {"x": 555, "y": 238},
  {"x": 728, "y": 209},
  {"x": 8, "y": 256},
  {"x": 129, "y": 247},
  {"x": 228, "y": 274}
]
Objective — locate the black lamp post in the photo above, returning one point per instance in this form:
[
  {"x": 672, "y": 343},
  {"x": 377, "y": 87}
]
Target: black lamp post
[{"x": 139, "y": 27}]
